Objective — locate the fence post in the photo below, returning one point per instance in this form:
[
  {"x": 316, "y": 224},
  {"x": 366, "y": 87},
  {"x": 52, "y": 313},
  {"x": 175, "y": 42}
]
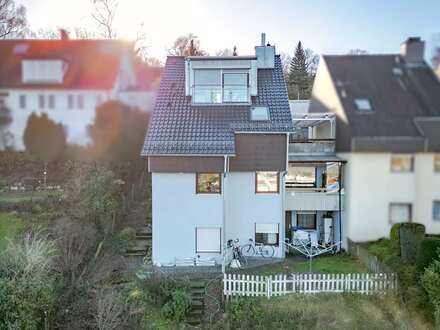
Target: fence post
[{"x": 268, "y": 286}]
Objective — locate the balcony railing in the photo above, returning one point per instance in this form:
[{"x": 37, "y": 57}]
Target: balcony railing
[
  {"x": 313, "y": 201},
  {"x": 312, "y": 147}
]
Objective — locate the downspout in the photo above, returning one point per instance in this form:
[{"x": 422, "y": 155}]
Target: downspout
[
  {"x": 283, "y": 198},
  {"x": 340, "y": 204},
  {"x": 225, "y": 170}
]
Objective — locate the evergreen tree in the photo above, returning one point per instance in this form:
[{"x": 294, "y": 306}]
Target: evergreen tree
[{"x": 299, "y": 79}]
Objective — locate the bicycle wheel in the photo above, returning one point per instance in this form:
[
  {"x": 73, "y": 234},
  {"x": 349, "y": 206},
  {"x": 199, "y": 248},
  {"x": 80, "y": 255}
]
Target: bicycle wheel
[
  {"x": 242, "y": 259},
  {"x": 248, "y": 250},
  {"x": 267, "y": 251}
]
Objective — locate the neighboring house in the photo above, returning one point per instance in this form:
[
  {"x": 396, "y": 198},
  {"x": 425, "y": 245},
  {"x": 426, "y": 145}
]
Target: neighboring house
[
  {"x": 222, "y": 166},
  {"x": 67, "y": 79},
  {"x": 387, "y": 110}
]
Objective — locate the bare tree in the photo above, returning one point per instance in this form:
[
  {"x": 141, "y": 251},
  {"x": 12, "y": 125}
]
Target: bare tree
[
  {"x": 357, "y": 51},
  {"x": 187, "y": 45},
  {"x": 110, "y": 309},
  {"x": 285, "y": 62},
  {"x": 12, "y": 19},
  {"x": 104, "y": 15},
  {"x": 228, "y": 52}
]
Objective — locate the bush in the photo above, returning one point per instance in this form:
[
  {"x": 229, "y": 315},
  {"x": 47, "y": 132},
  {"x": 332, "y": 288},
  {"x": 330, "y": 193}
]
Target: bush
[
  {"x": 177, "y": 305},
  {"x": 411, "y": 236},
  {"x": 395, "y": 238},
  {"x": 128, "y": 234},
  {"x": 431, "y": 283},
  {"x": 428, "y": 252}
]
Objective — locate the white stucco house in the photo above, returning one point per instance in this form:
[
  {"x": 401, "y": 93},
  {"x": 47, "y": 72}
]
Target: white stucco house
[
  {"x": 387, "y": 110},
  {"x": 222, "y": 165},
  {"x": 67, "y": 79}
]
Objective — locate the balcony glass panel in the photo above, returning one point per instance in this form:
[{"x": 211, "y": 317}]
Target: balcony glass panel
[{"x": 207, "y": 94}]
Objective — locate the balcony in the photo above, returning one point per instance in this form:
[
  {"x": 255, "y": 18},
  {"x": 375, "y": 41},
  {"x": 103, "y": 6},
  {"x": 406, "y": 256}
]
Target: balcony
[
  {"x": 313, "y": 200},
  {"x": 311, "y": 147}
]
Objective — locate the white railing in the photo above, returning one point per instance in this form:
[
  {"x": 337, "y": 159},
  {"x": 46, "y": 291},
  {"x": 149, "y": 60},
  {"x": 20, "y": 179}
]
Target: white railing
[{"x": 279, "y": 285}]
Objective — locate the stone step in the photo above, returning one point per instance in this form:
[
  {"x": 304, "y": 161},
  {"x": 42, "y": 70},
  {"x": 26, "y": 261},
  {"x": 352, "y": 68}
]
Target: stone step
[{"x": 135, "y": 253}]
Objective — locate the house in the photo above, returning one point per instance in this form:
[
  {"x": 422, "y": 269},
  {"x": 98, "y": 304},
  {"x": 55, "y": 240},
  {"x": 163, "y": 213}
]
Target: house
[
  {"x": 226, "y": 162},
  {"x": 67, "y": 79},
  {"x": 387, "y": 110}
]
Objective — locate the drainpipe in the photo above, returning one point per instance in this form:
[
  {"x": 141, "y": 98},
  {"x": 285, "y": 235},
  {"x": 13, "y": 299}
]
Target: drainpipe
[
  {"x": 225, "y": 170},
  {"x": 340, "y": 205}
]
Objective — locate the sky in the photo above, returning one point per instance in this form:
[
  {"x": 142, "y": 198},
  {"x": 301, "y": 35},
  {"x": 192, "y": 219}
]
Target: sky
[{"x": 325, "y": 26}]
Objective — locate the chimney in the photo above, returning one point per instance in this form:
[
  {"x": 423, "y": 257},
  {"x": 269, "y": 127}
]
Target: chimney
[
  {"x": 265, "y": 54},
  {"x": 413, "y": 50},
  {"x": 64, "y": 35}
]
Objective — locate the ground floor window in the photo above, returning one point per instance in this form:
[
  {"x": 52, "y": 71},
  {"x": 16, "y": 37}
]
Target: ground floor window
[
  {"x": 306, "y": 220},
  {"x": 267, "y": 233},
  {"x": 400, "y": 212},
  {"x": 208, "y": 183},
  {"x": 208, "y": 239},
  {"x": 436, "y": 210}
]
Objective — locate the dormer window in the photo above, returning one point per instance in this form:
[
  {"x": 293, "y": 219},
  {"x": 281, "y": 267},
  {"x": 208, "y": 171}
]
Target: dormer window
[
  {"x": 213, "y": 86},
  {"x": 363, "y": 105},
  {"x": 42, "y": 71}
]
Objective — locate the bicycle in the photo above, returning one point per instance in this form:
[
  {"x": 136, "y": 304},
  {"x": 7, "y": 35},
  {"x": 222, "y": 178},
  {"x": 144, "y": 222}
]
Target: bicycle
[
  {"x": 236, "y": 252},
  {"x": 252, "y": 248}
]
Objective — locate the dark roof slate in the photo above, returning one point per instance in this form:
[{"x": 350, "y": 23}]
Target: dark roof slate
[{"x": 179, "y": 127}]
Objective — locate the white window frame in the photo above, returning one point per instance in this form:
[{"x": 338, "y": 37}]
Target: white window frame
[
  {"x": 399, "y": 204},
  {"x": 268, "y": 228},
  {"x": 210, "y": 231},
  {"x": 221, "y": 85},
  {"x": 410, "y": 156},
  {"x": 433, "y": 210}
]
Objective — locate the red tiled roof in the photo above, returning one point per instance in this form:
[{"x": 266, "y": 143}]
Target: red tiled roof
[{"x": 91, "y": 64}]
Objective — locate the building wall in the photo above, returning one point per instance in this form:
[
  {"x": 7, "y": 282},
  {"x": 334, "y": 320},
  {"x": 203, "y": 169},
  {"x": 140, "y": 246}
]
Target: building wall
[
  {"x": 244, "y": 208},
  {"x": 371, "y": 187},
  {"x": 75, "y": 120},
  {"x": 177, "y": 210}
]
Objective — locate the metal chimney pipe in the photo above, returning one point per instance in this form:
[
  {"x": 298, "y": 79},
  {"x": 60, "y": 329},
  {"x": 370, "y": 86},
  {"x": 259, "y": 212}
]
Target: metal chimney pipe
[{"x": 263, "y": 39}]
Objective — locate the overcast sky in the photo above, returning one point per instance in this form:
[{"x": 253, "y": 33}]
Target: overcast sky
[{"x": 329, "y": 27}]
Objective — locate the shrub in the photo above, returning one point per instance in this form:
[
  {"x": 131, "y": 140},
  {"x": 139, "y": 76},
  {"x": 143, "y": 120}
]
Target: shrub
[
  {"x": 178, "y": 305},
  {"x": 395, "y": 238},
  {"x": 428, "y": 252},
  {"x": 411, "y": 235},
  {"x": 431, "y": 283},
  {"x": 128, "y": 234}
]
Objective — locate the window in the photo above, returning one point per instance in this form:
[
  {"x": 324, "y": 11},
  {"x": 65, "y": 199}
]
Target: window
[
  {"x": 402, "y": 163},
  {"x": 363, "y": 105},
  {"x": 22, "y": 101},
  {"x": 208, "y": 240},
  {"x": 301, "y": 177},
  {"x": 436, "y": 210},
  {"x": 208, "y": 183},
  {"x": 51, "y": 101},
  {"x": 259, "y": 113},
  {"x": 70, "y": 102},
  {"x": 235, "y": 87},
  {"x": 99, "y": 100},
  {"x": 437, "y": 163},
  {"x": 41, "y": 103},
  {"x": 306, "y": 220},
  {"x": 400, "y": 212},
  {"x": 220, "y": 86},
  {"x": 80, "y": 101},
  {"x": 207, "y": 86},
  {"x": 266, "y": 182},
  {"x": 267, "y": 233}
]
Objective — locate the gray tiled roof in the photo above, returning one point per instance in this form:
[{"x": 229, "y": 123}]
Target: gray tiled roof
[{"x": 179, "y": 127}]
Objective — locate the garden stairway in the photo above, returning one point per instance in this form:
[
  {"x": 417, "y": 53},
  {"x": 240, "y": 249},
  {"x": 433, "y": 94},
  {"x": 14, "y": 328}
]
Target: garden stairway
[
  {"x": 197, "y": 310},
  {"x": 142, "y": 243}
]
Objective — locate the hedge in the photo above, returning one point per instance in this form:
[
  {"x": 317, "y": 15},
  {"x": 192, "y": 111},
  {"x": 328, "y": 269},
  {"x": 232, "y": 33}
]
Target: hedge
[
  {"x": 411, "y": 236},
  {"x": 429, "y": 250}
]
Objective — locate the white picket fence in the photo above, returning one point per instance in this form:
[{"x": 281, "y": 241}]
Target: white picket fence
[{"x": 279, "y": 285}]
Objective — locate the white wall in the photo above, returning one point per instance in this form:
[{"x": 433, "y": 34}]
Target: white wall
[
  {"x": 177, "y": 211},
  {"x": 371, "y": 187},
  {"x": 244, "y": 208},
  {"x": 74, "y": 120}
]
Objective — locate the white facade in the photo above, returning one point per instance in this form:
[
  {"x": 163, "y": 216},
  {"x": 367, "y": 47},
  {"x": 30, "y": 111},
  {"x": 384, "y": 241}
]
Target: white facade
[
  {"x": 74, "y": 109},
  {"x": 371, "y": 186},
  {"x": 178, "y": 211}
]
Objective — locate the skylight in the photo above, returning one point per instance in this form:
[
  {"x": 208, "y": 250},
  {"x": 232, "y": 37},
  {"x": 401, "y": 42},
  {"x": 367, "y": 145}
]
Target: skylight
[
  {"x": 363, "y": 105},
  {"x": 259, "y": 113}
]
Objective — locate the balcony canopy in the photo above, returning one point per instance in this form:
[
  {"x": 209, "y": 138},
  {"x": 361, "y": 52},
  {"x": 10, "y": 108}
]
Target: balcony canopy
[{"x": 312, "y": 119}]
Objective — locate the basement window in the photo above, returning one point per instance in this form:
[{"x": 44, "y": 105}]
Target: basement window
[
  {"x": 259, "y": 113},
  {"x": 267, "y": 233},
  {"x": 363, "y": 105},
  {"x": 400, "y": 212}
]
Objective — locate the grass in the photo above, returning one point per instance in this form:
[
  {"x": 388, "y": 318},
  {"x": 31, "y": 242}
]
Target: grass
[
  {"x": 339, "y": 263},
  {"x": 324, "y": 311},
  {"x": 10, "y": 226},
  {"x": 19, "y": 197},
  {"x": 381, "y": 249}
]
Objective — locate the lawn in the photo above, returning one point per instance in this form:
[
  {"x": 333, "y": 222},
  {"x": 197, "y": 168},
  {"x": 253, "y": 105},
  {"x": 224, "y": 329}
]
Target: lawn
[
  {"x": 324, "y": 311},
  {"x": 10, "y": 225},
  {"x": 339, "y": 263}
]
